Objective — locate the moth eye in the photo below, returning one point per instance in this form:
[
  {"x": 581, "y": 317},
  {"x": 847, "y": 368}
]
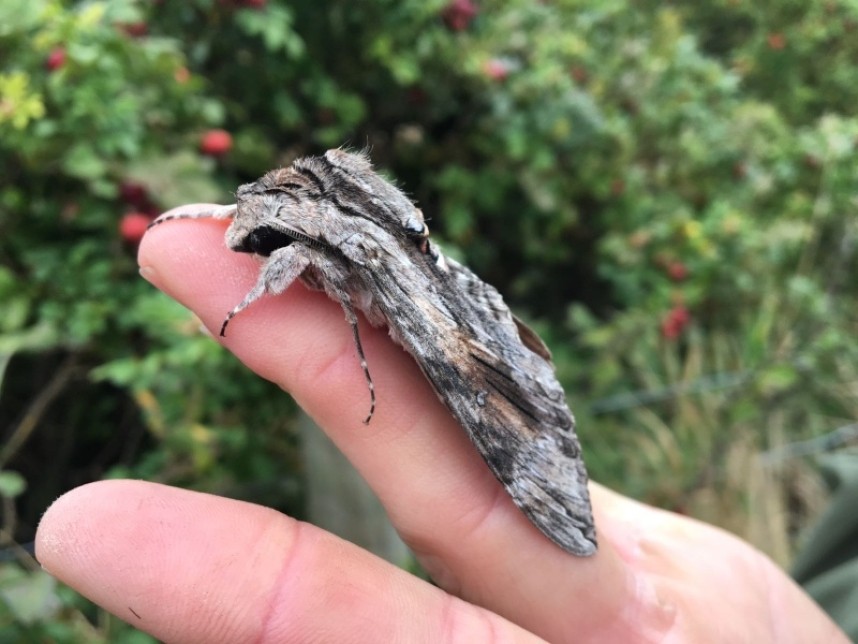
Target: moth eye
[
  {"x": 414, "y": 228},
  {"x": 264, "y": 241}
]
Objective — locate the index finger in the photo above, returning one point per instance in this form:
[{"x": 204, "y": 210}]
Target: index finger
[{"x": 438, "y": 492}]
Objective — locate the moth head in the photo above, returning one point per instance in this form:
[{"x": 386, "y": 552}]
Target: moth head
[
  {"x": 255, "y": 226},
  {"x": 335, "y": 201},
  {"x": 380, "y": 200}
]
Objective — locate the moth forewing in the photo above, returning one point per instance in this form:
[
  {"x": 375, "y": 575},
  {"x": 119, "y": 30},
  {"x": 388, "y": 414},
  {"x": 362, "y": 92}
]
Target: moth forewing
[{"x": 340, "y": 227}]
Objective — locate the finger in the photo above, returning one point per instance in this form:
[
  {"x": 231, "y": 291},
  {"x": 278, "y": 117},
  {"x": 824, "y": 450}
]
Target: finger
[
  {"x": 190, "y": 567},
  {"x": 438, "y": 492},
  {"x": 693, "y": 563}
]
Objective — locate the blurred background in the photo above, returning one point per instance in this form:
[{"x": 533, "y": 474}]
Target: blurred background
[{"x": 666, "y": 191}]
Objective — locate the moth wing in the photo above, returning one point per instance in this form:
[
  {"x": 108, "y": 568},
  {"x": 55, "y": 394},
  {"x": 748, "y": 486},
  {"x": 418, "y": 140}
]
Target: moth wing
[
  {"x": 499, "y": 385},
  {"x": 488, "y": 301},
  {"x": 531, "y": 340},
  {"x": 526, "y": 434}
]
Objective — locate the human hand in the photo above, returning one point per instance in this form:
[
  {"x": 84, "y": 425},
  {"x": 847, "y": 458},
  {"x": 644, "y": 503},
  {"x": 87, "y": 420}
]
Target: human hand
[{"x": 190, "y": 567}]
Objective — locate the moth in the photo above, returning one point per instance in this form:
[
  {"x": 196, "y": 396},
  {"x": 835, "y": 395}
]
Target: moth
[{"x": 339, "y": 227}]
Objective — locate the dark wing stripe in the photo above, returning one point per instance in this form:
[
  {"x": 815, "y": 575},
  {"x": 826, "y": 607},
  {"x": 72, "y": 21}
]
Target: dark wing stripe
[
  {"x": 284, "y": 188},
  {"x": 351, "y": 210},
  {"x": 510, "y": 389},
  {"x": 312, "y": 177},
  {"x": 512, "y": 400},
  {"x": 491, "y": 367}
]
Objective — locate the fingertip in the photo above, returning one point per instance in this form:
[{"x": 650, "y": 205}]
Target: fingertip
[
  {"x": 167, "y": 560},
  {"x": 175, "y": 246},
  {"x": 58, "y": 536}
]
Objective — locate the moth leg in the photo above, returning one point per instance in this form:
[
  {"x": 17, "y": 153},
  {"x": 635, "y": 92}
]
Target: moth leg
[
  {"x": 346, "y": 302},
  {"x": 282, "y": 268}
]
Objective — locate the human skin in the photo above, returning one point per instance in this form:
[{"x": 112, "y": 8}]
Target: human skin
[{"x": 192, "y": 567}]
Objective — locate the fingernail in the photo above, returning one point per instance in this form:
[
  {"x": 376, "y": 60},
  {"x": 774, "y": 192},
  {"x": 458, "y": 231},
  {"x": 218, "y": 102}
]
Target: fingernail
[{"x": 149, "y": 274}]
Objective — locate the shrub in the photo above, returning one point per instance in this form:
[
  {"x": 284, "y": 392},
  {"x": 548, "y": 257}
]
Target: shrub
[{"x": 666, "y": 190}]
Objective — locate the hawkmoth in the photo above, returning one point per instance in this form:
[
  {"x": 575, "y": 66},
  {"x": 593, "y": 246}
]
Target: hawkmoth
[{"x": 339, "y": 227}]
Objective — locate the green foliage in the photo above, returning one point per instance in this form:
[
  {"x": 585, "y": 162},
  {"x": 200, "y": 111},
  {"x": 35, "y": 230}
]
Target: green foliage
[{"x": 668, "y": 190}]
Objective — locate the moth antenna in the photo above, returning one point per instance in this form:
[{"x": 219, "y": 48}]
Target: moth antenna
[{"x": 222, "y": 212}]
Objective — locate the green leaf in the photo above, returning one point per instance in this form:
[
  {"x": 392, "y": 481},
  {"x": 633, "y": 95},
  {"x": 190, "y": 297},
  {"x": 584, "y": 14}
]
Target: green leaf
[
  {"x": 17, "y": 16},
  {"x": 777, "y": 379},
  {"x": 30, "y": 596},
  {"x": 83, "y": 162},
  {"x": 12, "y": 484}
]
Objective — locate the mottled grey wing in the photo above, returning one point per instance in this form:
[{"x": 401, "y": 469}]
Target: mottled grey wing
[
  {"x": 526, "y": 434},
  {"x": 504, "y": 394}
]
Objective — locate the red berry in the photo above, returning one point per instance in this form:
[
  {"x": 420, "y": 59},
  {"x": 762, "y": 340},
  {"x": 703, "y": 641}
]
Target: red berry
[
  {"x": 182, "y": 75},
  {"x": 216, "y": 143},
  {"x": 776, "y": 41},
  {"x": 55, "y": 59},
  {"x": 133, "y": 193},
  {"x": 416, "y": 95},
  {"x": 680, "y": 315},
  {"x": 496, "y": 69},
  {"x": 675, "y": 322},
  {"x": 812, "y": 161},
  {"x": 133, "y": 226},
  {"x": 579, "y": 74},
  {"x": 677, "y": 271},
  {"x": 326, "y": 116},
  {"x": 70, "y": 211},
  {"x": 134, "y": 29},
  {"x": 459, "y": 14}
]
